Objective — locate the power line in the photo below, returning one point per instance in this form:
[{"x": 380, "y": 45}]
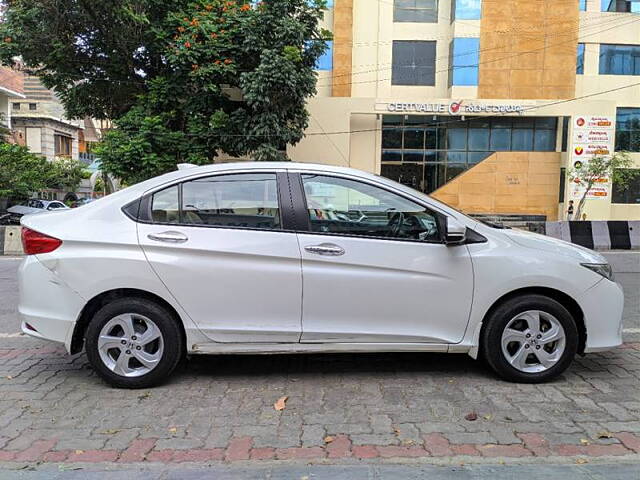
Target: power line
[{"x": 454, "y": 119}]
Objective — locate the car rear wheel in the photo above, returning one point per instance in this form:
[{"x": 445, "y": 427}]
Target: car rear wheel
[
  {"x": 530, "y": 339},
  {"x": 134, "y": 343}
]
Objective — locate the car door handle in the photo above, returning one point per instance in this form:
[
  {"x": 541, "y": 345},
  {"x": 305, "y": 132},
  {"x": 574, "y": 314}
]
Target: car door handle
[
  {"x": 328, "y": 249},
  {"x": 168, "y": 237}
]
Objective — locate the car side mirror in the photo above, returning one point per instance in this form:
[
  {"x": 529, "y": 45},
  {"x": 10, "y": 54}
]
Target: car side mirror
[{"x": 456, "y": 233}]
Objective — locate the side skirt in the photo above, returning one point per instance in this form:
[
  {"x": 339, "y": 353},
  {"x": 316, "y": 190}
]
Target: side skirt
[{"x": 281, "y": 348}]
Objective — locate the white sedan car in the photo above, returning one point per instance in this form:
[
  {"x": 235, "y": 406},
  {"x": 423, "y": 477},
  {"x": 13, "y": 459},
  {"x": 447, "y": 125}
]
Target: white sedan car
[
  {"x": 301, "y": 258},
  {"x": 33, "y": 206}
]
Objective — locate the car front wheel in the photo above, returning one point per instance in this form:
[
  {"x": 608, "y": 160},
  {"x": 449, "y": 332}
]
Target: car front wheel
[
  {"x": 530, "y": 339},
  {"x": 133, "y": 343}
]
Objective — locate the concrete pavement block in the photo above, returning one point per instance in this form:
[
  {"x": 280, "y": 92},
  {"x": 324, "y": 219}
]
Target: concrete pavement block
[
  {"x": 601, "y": 237},
  {"x": 553, "y": 229},
  {"x": 12, "y": 241},
  {"x": 634, "y": 234}
]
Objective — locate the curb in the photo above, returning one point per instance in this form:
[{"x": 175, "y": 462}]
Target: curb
[
  {"x": 10, "y": 240},
  {"x": 596, "y": 235}
]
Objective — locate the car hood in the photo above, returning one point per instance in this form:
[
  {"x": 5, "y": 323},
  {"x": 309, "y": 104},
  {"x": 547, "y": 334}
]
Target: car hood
[
  {"x": 24, "y": 210},
  {"x": 553, "y": 245}
]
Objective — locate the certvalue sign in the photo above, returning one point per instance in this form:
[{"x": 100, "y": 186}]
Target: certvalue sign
[{"x": 454, "y": 108}]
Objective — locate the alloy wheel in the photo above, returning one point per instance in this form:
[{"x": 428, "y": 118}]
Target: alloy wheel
[
  {"x": 130, "y": 345},
  {"x": 533, "y": 341}
]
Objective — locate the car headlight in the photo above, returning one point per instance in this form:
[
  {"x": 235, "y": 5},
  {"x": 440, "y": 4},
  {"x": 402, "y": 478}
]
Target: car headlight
[{"x": 603, "y": 269}]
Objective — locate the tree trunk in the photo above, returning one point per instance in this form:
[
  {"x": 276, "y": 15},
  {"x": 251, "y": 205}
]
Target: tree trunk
[{"x": 583, "y": 200}]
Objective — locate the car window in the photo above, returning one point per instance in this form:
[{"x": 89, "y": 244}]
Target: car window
[
  {"x": 38, "y": 204},
  {"x": 165, "y": 206},
  {"x": 237, "y": 200},
  {"x": 342, "y": 206},
  {"x": 55, "y": 205}
]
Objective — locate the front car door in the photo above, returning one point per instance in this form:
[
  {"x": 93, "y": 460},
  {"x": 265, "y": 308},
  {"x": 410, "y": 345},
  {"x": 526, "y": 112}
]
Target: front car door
[
  {"x": 219, "y": 246},
  {"x": 375, "y": 268}
]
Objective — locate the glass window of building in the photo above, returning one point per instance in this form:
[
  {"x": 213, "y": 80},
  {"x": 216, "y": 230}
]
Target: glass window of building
[
  {"x": 325, "y": 62},
  {"x": 425, "y": 152},
  {"x": 580, "y": 60},
  {"x": 629, "y": 195},
  {"x": 623, "y": 6},
  {"x": 465, "y": 57},
  {"x": 628, "y": 129},
  {"x": 583, "y": 5},
  {"x": 619, "y": 59},
  {"x": 466, "y": 9},
  {"x": 420, "y": 11},
  {"x": 414, "y": 63}
]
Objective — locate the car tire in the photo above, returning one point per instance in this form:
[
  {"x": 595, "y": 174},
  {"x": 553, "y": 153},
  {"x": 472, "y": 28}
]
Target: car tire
[
  {"x": 146, "y": 333},
  {"x": 518, "y": 352}
]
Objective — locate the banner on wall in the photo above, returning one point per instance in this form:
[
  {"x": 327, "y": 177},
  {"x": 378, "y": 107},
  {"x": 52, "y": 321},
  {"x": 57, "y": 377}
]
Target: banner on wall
[{"x": 592, "y": 136}]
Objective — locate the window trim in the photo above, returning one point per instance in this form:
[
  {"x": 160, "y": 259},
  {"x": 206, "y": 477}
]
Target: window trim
[
  {"x": 301, "y": 201},
  {"x": 414, "y": 9},
  {"x": 143, "y": 205}
]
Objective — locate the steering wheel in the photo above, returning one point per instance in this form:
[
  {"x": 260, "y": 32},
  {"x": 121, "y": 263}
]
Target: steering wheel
[{"x": 395, "y": 224}]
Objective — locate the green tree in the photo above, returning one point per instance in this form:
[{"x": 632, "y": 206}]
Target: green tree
[
  {"x": 616, "y": 168},
  {"x": 183, "y": 80},
  {"x": 21, "y": 172},
  {"x": 66, "y": 174}
]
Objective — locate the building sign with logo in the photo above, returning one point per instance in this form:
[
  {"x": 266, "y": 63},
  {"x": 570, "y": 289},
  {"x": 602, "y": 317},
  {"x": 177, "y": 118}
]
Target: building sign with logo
[
  {"x": 454, "y": 108},
  {"x": 592, "y": 136}
]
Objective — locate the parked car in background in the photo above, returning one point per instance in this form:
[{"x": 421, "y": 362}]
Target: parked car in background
[
  {"x": 34, "y": 205},
  {"x": 299, "y": 258},
  {"x": 81, "y": 201}
]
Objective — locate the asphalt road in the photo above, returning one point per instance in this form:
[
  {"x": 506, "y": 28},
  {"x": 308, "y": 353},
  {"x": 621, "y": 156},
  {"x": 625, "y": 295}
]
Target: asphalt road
[{"x": 9, "y": 324}]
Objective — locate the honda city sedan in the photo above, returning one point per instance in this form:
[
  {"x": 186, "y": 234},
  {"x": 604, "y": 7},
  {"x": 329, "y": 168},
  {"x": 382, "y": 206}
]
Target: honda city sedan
[{"x": 272, "y": 258}]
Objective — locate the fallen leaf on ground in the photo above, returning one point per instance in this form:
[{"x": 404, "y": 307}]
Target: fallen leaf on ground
[
  {"x": 78, "y": 452},
  {"x": 582, "y": 461},
  {"x": 281, "y": 403},
  {"x": 487, "y": 417},
  {"x": 472, "y": 417},
  {"x": 584, "y": 441},
  {"x": 173, "y": 430},
  {"x": 110, "y": 432},
  {"x": 605, "y": 435},
  {"x": 144, "y": 395},
  {"x": 328, "y": 439},
  {"x": 64, "y": 468},
  {"x": 9, "y": 377}
]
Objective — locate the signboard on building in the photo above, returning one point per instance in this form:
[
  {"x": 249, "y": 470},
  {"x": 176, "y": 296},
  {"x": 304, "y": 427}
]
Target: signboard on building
[
  {"x": 592, "y": 136},
  {"x": 452, "y": 108}
]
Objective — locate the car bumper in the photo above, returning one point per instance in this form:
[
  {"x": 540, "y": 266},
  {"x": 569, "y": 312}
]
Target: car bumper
[
  {"x": 602, "y": 306},
  {"x": 48, "y": 308}
]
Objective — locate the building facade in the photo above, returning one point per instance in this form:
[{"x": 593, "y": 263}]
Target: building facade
[
  {"x": 39, "y": 120},
  {"x": 483, "y": 104},
  {"x": 11, "y": 89}
]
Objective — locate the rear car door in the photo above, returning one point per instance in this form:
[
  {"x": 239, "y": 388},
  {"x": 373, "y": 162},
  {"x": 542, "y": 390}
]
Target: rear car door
[
  {"x": 219, "y": 245},
  {"x": 375, "y": 268}
]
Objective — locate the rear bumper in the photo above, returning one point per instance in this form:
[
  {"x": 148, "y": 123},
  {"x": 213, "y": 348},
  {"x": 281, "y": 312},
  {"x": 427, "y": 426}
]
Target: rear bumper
[
  {"x": 602, "y": 306},
  {"x": 47, "y": 304}
]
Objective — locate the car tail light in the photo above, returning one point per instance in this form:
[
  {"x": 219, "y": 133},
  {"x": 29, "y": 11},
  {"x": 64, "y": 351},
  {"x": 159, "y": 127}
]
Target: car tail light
[{"x": 34, "y": 242}]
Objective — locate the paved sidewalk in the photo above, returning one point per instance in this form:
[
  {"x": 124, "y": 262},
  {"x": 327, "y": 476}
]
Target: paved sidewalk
[{"x": 340, "y": 408}]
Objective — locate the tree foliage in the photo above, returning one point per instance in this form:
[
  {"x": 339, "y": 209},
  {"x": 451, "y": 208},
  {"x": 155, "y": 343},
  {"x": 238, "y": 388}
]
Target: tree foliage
[
  {"x": 66, "y": 174},
  {"x": 182, "y": 79},
  {"x": 616, "y": 168},
  {"x": 21, "y": 172}
]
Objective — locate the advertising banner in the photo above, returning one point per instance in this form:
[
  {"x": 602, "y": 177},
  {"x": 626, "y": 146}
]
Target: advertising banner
[{"x": 592, "y": 136}]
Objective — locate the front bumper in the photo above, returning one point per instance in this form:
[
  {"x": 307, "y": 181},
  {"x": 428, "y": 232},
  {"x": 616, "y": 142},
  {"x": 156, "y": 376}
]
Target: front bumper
[
  {"x": 46, "y": 303},
  {"x": 602, "y": 306}
]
